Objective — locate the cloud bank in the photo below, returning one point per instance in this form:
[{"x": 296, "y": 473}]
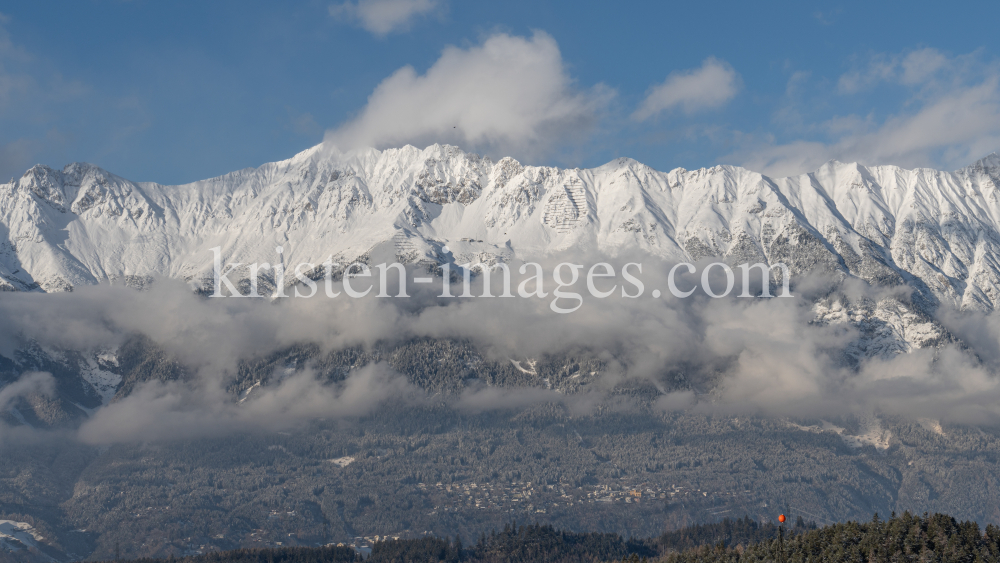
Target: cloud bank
[
  {"x": 755, "y": 356},
  {"x": 510, "y": 95},
  {"x": 178, "y": 410}
]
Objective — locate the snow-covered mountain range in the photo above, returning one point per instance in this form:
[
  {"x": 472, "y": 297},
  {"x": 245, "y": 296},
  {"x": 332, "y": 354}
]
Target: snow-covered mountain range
[{"x": 938, "y": 231}]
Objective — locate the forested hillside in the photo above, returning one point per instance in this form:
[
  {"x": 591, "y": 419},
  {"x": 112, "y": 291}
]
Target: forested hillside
[
  {"x": 907, "y": 537},
  {"x": 901, "y": 538},
  {"x": 513, "y": 543}
]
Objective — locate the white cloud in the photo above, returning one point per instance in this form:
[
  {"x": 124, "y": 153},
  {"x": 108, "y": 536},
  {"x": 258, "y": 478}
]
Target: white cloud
[
  {"x": 510, "y": 94},
  {"x": 951, "y": 118},
  {"x": 710, "y": 86},
  {"x": 381, "y": 17}
]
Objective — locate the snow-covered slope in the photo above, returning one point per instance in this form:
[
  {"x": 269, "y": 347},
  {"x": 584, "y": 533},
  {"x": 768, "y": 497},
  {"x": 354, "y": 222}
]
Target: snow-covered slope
[{"x": 938, "y": 231}]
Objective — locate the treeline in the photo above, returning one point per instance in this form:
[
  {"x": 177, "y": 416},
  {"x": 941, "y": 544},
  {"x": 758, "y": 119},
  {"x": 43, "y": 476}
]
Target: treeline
[
  {"x": 328, "y": 554},
  {"x": 727, "y": 533},
  {"x": 907, "y": 537},
  {"x": 545, "y": 543},
  {"x": 514, "y": 543},
  {"x": 937, "y": 537}
]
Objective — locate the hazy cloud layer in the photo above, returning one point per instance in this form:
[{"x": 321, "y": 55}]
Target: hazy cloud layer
[
  {"x": 178, "y": 410},
  {"x": 725, "y": 355},
  {"x": 28, "y": 383},
  {"x": 381, "y": 17},
  {"x": 510, "y": 95},
  {"x": 710, "y": 86}
]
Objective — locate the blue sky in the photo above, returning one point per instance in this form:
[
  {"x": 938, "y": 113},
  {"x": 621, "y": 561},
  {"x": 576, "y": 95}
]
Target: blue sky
[{"x": 178, "y": 91}]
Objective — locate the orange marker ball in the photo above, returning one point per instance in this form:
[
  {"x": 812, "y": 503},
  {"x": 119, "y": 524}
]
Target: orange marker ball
[{"x": 781, "y": 518}]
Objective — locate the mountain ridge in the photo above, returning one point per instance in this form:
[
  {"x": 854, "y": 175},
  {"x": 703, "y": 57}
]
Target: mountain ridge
[{"x": 938, "y": 231}]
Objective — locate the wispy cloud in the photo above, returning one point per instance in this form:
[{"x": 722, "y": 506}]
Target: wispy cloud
[
  {"x": 950, "y": 118},
  {"x": 710, "y": 86},
  {"x": 29, "y": 91},
  {"x": 32, "y": 382},
  {"x": 381, "y": 17},
  {"x": 911, "y": 69},
  {"x": 828, "y": 17}
]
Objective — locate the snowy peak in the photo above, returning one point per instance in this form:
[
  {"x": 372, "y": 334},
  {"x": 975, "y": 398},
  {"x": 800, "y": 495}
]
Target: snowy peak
[
  {"x": 81, "y": 188},
  {"x": 988, "y": 163}
]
